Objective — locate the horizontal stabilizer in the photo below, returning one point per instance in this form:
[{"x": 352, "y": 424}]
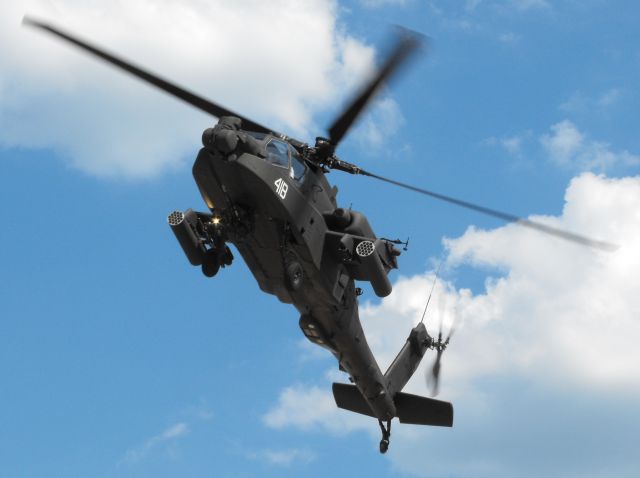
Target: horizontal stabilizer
[
  {"x": 410, "y": 408},
  {"x": 423, "y": 411},
  {"x": 349, "y": 398}
]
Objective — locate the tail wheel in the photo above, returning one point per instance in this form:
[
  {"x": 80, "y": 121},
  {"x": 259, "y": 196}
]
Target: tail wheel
[
  {"x": 210, "y": 263},
  {"x": 384, "y": 445},
  {"x": 386, "y": 435},
  {"x": 294, "y": 274}
]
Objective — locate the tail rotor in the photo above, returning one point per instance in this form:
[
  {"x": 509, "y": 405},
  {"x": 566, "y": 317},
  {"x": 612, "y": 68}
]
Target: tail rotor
[
  {"x": 439, "y": 345},
  {"x": 433, "y": 380}
]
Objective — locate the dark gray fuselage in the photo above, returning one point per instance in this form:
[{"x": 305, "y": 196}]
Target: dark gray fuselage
[{"x": 278, "y": 229}]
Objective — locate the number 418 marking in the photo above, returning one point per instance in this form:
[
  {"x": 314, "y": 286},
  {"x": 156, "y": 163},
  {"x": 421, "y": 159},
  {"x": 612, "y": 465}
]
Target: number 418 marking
[{"x": 281, "y": 188}]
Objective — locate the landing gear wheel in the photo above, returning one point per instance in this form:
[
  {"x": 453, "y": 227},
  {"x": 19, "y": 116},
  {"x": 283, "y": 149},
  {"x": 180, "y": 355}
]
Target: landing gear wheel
[
  {"x": 384, "y": 446},
  {"x": 210, "y": 263},
  {"x": 294, "y": 274},
  {"x": 226, "y": 258}
]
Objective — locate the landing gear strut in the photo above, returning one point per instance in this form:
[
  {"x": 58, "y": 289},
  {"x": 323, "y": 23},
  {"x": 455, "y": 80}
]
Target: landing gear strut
[{"x": 386, "y": 434}]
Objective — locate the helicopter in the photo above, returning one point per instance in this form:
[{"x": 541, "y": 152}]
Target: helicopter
[{"x": 268, "y": 195}]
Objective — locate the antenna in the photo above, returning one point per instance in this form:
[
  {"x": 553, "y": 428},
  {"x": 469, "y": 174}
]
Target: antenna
[{"x": 435, "y": 278}]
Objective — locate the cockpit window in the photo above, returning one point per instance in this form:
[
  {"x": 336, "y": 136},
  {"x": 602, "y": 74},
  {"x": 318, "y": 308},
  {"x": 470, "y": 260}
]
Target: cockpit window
[
  {"x": 298, "y": 168},
  {"x": 278, "y": 153}
]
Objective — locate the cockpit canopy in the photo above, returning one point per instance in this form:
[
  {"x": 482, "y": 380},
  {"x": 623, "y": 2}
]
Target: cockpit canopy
[{"x": 282, "y": 154}]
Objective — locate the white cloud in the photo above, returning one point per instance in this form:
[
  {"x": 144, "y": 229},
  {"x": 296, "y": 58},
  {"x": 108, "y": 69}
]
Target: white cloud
[
  {"x": 579, "y": 103},
  {"x": 564, "y": 294},
  {"x": 200, "y": 412},
  {"x": 564, "y": 143},
  {"x": 380, "y": 123},
  {"x": 239, "y": 54},
  {"x": 514, "y": 145},
  {"x": 509, "y": 38},
  {"x": 567, "y": 146},
  {"x": 168, "y": 436},
  {"x": 576, "y": 103},
  {"x": 543, "y": 351},
  {"x": 284, "y": 458},
  {"x": 610, "y": 97},
  {"x": 311, "y": 408}
]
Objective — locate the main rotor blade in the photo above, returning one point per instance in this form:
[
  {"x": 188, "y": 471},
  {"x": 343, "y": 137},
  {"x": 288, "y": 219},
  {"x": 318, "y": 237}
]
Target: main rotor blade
[
  {"x": 407, "y": 43},
  {"x": 166, "y": 86},
  {"x": 561, "y": 233}
]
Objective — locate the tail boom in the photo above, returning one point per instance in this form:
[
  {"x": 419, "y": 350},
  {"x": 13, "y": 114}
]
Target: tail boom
[
  {"x": 409, "y": 408},
  {"x": 406, "y": 362}
]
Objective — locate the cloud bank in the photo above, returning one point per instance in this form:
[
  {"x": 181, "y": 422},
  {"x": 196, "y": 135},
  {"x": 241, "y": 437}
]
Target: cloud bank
[
  {"x": 278, "y": 62},
  {"x": 567, "y": 146},
  {"x": 549, "y": 348}
]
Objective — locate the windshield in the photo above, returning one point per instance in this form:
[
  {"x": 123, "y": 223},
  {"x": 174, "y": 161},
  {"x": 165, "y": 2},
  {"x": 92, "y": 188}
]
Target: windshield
[
  {"x": 298, "y": 168},
  {"x": 278, "y": 153}
]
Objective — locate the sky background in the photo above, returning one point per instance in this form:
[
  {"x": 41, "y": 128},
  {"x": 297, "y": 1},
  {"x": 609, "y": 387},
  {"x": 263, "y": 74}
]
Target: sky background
[{"x": 119, "y": 359}]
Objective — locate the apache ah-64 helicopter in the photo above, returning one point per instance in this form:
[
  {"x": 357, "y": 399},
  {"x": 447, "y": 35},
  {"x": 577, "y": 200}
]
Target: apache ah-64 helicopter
[{"x": 268, "y": 195}]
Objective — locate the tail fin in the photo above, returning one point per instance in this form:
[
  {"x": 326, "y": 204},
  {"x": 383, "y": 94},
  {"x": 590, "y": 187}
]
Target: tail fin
[
  {"x": 409, "y": 408},
  {"x": 407, "y": 360}
]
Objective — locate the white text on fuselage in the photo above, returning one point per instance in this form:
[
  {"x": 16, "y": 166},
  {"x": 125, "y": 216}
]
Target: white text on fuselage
[{"x": 281, "y": 188}]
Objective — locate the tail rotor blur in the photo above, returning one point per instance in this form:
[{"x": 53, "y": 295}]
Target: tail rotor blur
[
  {"x": 439, "y": 345},
  {"x": 433, "y": 380}
]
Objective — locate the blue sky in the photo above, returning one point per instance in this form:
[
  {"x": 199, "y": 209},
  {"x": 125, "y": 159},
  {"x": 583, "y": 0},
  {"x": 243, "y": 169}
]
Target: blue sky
[{"x": 119, "y": 359}]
